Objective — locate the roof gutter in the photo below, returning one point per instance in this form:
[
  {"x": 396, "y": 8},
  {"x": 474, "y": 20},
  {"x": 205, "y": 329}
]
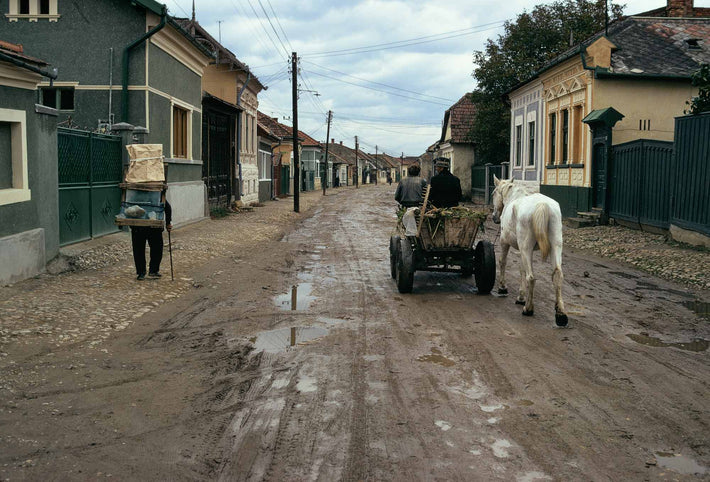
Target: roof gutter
[
  {"x": 8, "y": 58},
  {"x": 124, "y": 67}
]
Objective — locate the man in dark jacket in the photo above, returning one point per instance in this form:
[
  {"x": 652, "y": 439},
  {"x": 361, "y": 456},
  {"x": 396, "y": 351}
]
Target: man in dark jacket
[
  {"x": 410, "y": 190},
  {"x": 445, "y": 187},
  {"x": 154, "y": 236}
]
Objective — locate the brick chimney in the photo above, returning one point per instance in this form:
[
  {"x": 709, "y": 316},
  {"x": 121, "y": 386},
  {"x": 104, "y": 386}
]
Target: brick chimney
[
  {"x": 332, "y": 140},
  {"x": 680, "y": 8},
  {"x": 341, "y": 143}
]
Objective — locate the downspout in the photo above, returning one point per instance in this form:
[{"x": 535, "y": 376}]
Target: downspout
[
  {"x": 124, "y": 66},
  {"x": 239, "y": 135}
]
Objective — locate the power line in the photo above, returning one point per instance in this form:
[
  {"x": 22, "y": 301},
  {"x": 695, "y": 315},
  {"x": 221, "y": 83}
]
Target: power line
[
  {"x": 406, "y": 43},
  {"x": 243, "y": 13},
  {"x": 272, "y": 26},
  {"x": 279, "y": 24},
  {"x": 378, "y": 83},
  {"x": 380, "y": 90}
]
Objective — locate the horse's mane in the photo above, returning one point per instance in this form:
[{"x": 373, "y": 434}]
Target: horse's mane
[{"x": 510, "y": 190}]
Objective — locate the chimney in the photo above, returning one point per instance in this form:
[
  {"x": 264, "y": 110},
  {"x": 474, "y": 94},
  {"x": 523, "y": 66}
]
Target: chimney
[
  {"x": 341, "y": 143},
  {"x": 679, "y": 8},
  {"x": 332, "y": 140}
]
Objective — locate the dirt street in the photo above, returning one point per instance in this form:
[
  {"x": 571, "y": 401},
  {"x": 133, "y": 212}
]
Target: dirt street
[{"x": 297, "y": 359}]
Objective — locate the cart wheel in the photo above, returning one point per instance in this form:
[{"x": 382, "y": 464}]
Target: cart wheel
[
  {"x": 394, "y": 246},
  {"x": 484, "y": 267},
  {"x": 405, "y": 266}
]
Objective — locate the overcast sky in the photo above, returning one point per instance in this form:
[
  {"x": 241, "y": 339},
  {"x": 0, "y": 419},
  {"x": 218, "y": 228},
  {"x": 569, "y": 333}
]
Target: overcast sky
[{"x": 355, "y": 55}]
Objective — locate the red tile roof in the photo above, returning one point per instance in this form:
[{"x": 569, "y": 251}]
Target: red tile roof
[{"x": 460, "y": 116}]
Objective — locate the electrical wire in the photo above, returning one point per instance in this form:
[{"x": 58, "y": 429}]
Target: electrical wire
[{"x": 272, "y": 27}]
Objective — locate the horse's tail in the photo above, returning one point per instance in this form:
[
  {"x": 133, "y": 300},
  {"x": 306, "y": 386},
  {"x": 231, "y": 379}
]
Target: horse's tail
[{"x": 540, "y": 222}]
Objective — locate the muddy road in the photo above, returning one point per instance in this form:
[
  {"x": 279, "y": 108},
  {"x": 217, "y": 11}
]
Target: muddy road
[{"x": 299, "y": 360}]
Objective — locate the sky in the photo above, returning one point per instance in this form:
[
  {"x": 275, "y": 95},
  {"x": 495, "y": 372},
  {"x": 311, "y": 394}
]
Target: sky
[{"x": 388, "y": 69}]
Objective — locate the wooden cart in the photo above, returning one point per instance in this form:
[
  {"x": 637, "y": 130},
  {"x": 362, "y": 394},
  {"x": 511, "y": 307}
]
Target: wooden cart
[{"x": 444, "y": 243}]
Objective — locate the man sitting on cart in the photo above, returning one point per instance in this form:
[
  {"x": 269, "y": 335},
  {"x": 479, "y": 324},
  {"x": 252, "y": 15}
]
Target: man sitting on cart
[
  {"x": 410, "y": 190},
  {"x": 445, "y": 189}
]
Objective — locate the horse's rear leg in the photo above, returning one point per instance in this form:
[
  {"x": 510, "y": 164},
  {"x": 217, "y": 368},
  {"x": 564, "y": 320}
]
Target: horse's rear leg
[
  {"x": 523, "y": 285},
  {"x": 557, "y": 277},
  {"x": 502, "y": 288},
  {"x": 526, "y": 260}
]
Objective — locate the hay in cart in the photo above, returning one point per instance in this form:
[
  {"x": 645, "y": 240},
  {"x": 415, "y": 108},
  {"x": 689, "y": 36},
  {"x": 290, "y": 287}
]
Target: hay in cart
[{"x": 455, "y": 227}]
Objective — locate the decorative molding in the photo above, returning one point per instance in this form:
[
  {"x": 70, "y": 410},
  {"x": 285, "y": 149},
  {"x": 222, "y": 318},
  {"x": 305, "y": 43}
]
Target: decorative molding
[
  {"x": 175, "y": 45},
  {"x": 20, "y": 190},
  {"x": 18, "y": 77}
]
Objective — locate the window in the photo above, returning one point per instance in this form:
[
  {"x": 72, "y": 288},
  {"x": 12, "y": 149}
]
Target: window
[
  {"x": 553, "y": 137},
  {"x": 14, "y": 180},
  {"x": 180, "y": 132},
  {"x": 565, "y": 135},
  {"x": 578, "y": 129},
  {"x": 518, "y": 144},
  {"x": 531, "y": 143},
  {"x": 264, "y": 165},
  {"x": 61, "y": 98},
  {"x": 32, "y": 10}
]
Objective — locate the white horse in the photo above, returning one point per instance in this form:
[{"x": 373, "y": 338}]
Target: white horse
[{"x": 529, "y": 222}]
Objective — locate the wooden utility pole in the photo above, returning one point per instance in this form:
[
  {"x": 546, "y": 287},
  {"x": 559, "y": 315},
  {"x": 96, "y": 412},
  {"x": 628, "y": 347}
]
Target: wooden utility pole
[
  {"x": 294, "y": 97},
  {"x": 324, "y": 177},
  {"x": 401, "y": 166},
  {"x": 375, "y": 165},
  {"x": 357, "y": 174}
]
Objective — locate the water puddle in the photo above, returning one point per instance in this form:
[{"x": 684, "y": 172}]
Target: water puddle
[
  {"x": 286, "y": 338},
  {"x": 695, "y": 345},
  {"x": 680, "y": 463},
  {"x": 330, "y": 321},
  {"x": 643, "y": 285},
  {"x": 624, "y": 275},
  {"x": 298, "y": 299},
  {"x": 438, "y": 358},
  {"x": 700, "y": 308}
]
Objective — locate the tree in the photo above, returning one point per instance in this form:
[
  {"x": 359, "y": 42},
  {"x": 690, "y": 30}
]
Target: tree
[
  {"x": 533, "y": 39},
  {"x": 701, "y": 80}
]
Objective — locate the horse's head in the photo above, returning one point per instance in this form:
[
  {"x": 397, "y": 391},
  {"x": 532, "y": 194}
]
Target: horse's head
[{"x": 500, "y": 193}]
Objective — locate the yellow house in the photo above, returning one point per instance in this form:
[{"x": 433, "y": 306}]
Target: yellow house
[{"x": 627, "y": 84}]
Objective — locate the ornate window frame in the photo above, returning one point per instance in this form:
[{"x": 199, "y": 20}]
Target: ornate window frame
[
  {"x": 20, "y": 190},
  {"x": 14, "y": 14}
]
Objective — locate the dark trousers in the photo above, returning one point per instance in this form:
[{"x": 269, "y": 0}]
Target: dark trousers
[{"x": 154, "y": 236}]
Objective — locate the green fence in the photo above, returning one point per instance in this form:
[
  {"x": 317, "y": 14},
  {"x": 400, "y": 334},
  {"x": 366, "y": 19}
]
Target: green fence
[
  {"x": 641, "y": 184},
  {"x": 691, "y": 206},
  {"x": 90, "y": 169}
]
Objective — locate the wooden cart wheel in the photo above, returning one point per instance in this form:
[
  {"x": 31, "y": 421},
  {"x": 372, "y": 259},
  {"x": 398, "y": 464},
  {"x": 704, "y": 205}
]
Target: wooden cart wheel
[
  {"x": 484, "y": 267},
  {"x": 394, "y": 247},
  {"x": 405, "y": 266}
]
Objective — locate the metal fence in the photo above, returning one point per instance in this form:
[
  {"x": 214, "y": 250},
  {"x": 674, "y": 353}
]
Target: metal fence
[
  {"x": 691, "y": 184},
  {"x": 641, "y": 182},
  {"x": 482, "y": 184},
  {"x": 90, "y": 169}
]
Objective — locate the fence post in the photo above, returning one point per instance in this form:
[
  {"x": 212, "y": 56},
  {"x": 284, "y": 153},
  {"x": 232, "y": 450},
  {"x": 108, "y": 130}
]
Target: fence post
[
  {"x": 124, "y": 130},
  {"x": 487, "y": 197},
  {"x": 505, "y": 170},
  {"x": 139, "y": 135}
]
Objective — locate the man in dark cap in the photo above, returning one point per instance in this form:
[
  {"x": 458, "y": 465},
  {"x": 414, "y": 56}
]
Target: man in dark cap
[{"x": 445, "y": 187}]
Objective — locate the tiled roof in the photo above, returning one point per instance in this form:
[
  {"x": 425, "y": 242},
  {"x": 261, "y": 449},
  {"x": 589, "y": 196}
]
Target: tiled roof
[
  {"x": 17, "y": 52},
  {"x": 273, "y": 126},
  {"x": 657, "y": 46},
  {"x": 460, "y": 116},
  {"x": 203, "y": 37}
]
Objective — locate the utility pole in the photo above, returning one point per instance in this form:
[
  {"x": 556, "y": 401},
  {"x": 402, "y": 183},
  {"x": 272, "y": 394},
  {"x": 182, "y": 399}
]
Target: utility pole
[
  {"x": 401, "y": 166},
  {"x": 324, "y": 177},
  {"x": 357, "y": 174},
  {"x": 376, "y": 164},
  {"x": 294, "y": 97},
  {"x": 219, "y": 26}
]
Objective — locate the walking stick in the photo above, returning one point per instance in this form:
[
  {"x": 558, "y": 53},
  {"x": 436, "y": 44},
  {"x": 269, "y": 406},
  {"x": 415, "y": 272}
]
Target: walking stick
[{"x": 170, "y": 248}]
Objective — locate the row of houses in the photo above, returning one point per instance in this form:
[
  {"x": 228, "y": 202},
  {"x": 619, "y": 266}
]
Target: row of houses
[{"x": 627, "y": 84}]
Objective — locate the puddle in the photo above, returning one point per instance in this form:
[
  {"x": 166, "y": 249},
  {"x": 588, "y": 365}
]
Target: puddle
[
  {"x": 281, "y": 340},
  {"x": 330, "y": 321},
  {"x": 298, "y": 299},
  {"x": 500, "y": 448},
  {"x": 443, "y": 425},
  {"x": 700, "y": 308},
  {"x": 438, "y": 358},
  {"x": 695, "y": 345},
  {"x": 624, "y": 275},
  {"x": 653, "y": 287},
  {"x": 680, "y": 463}
]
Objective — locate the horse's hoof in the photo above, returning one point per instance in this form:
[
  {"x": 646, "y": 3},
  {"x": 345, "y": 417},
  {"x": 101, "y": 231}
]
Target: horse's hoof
[
  {"x": 519, "y": 302},
  {"x": 528, "y": 313},
  {"x": 561, "y": 319},
  {"x": 502, "y": 291}
]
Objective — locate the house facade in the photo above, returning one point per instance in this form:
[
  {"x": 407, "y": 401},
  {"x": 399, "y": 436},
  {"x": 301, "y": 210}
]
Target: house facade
[
  {"x": 613, "y": 88},
  {"x": 527, "y": 121},
  {"x": 231, "y": 130},
  {"x": 124, "y": 61},
  {"x": 455, "y": 143},
  {"x": 29, "y": 227}
]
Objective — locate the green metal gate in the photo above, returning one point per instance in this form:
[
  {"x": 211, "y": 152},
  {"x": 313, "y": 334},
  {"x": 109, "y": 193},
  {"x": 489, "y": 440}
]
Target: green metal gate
[
  {"x": 285, "y": 179},
  {"x": 90, "y": 169}
]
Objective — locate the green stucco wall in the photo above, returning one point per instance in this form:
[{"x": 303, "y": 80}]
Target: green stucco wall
[
  {"x": 196, "y": 135},
  {"x": 41, "y": 210},
  {"x": 572, "y": 199},
  {"x": 184, "y": 172},
  {"x": 170, "y": 76},
  {"x": 160, "y": 121}
]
